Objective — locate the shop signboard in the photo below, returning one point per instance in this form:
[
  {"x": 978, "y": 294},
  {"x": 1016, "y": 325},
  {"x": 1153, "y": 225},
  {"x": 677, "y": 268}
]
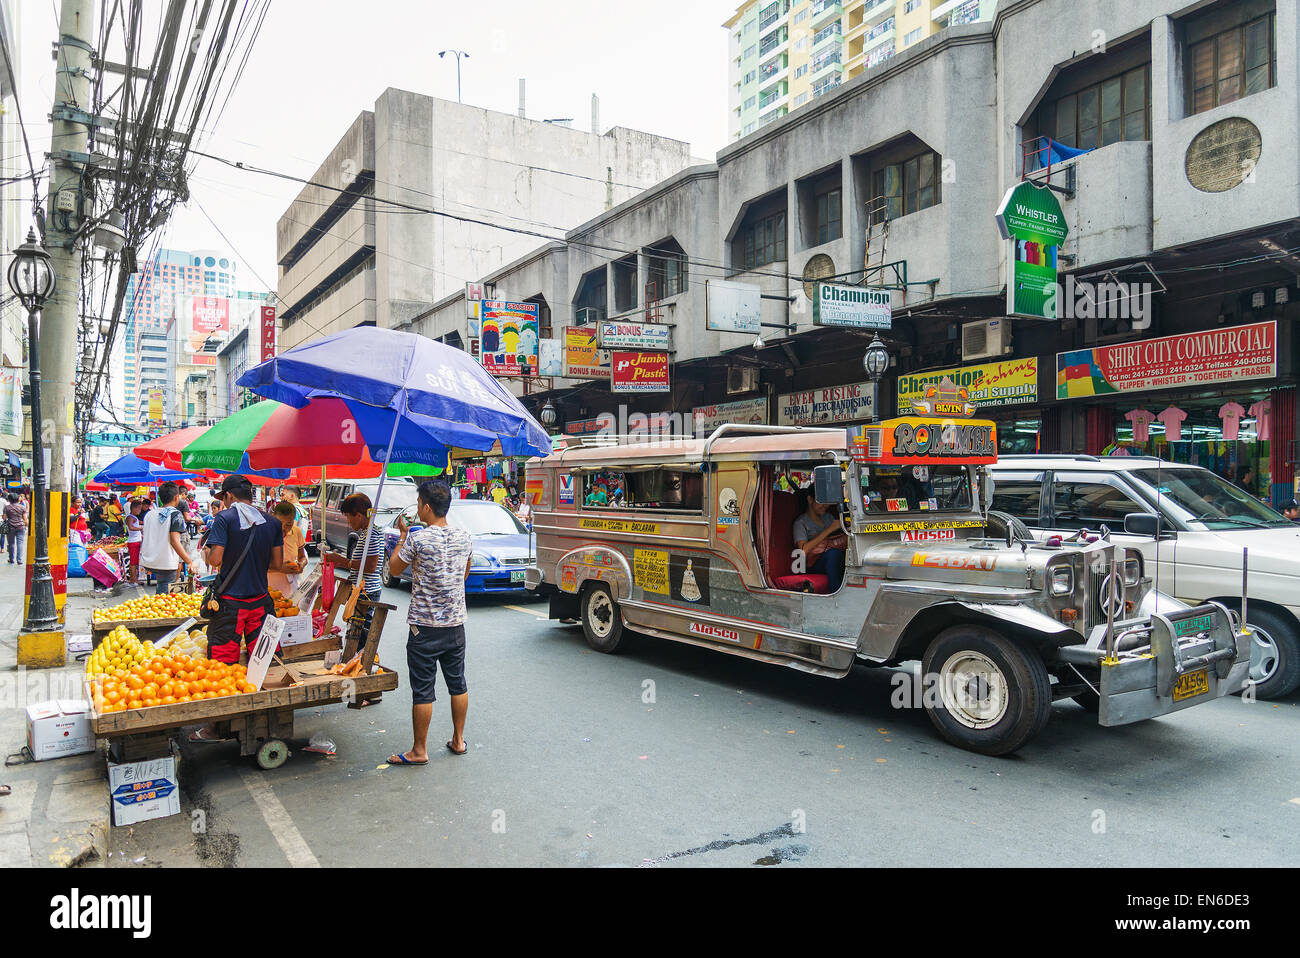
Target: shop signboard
[
  {"x": 586, "y": 427},
  {"x": 751, "y": 412},
  {"x": 550, "y": 358},
  {"x": 155, "y": 405},
  {"x": 826, "y": 406},
  {"x": 645, "y": 336},
  {"x": 268, "y": 332},
  {"x": 583, "y": 359},
  {"x": 1030, "y": 218},
  {"x": 858, "y": 307},
  {"x": 508, "y": 344},
  {"x": 202, "y": 319},
  {"x": 1190, "y": 359},
  {"x": 119, "y": 439},
  {"x": 731, "y": 307},
  {"x": 1008, "y": 383},
  {"x": 11, "y": 403},
  {"x": 639, "y": 372}
]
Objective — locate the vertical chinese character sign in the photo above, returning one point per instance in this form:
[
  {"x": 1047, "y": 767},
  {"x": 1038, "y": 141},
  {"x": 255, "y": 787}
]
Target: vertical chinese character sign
[{"x": 268, "y": 332}]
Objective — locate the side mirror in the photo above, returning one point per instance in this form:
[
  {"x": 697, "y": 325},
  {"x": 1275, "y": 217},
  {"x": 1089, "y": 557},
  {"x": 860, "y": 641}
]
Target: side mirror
[
  {"x": 1142, "y": 524},
  {"x": 828, "y": 486}
]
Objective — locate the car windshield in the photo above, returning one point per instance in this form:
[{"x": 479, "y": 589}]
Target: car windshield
[
  {"x": 487, "y": 519},
  {"x": 887, "y": 489},
  {"x": 1202, "y": 500}
]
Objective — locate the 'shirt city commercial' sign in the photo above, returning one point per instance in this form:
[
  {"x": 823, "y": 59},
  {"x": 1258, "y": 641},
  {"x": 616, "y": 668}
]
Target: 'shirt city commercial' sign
[
  {"x": 1213, "y": 356},
  {"x": 858, "y": 307}
]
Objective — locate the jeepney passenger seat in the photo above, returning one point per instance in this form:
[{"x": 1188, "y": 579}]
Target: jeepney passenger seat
[{"x": 785, "y": 509}]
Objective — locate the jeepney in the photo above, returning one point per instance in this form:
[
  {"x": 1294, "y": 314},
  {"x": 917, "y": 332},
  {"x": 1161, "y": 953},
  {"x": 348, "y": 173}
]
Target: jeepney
[{"x": 692, "y": 540}]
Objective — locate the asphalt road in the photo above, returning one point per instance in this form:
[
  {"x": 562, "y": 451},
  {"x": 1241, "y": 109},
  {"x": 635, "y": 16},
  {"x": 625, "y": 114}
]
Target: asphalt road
[{"x": 576, "y": 760}]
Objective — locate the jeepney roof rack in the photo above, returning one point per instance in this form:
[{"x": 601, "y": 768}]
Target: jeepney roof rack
[
  {"x": 747, "y": 429},
  {"x": 1076, "y": 457},
  {"x": 724, "y": 431}
]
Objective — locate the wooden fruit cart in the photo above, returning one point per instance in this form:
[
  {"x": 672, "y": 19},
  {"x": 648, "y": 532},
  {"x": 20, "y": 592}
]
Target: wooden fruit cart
[
  {"x": 262, "y": 721},
  {"x": 146, "y": 630}
]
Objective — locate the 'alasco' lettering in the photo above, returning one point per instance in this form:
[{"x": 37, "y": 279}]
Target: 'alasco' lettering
[{"x": 942, "y": 440}]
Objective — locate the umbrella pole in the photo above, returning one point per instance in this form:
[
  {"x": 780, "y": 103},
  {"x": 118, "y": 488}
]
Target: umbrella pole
[{"x": 374, "y": 506}]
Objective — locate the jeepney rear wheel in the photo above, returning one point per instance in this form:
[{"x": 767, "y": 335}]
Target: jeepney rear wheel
[
  {"x": 989, "y": 694},
  {"x": 602, "y": 625}
]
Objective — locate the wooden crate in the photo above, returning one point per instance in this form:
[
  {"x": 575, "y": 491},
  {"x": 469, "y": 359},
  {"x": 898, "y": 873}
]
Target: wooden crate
[
  {"x": 315, "y": 690},
  {"x": 145, "y": 629}
]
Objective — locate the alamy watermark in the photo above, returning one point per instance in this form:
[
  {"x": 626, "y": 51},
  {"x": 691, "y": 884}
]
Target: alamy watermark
[{"x": 1110, "y": 299}]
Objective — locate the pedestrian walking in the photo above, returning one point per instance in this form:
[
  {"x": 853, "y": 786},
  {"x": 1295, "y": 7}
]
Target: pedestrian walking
[
  {"x": 15, "y": 528},
  {"x": 438, "y": 556},
  {"x": 164, "y": 545}
]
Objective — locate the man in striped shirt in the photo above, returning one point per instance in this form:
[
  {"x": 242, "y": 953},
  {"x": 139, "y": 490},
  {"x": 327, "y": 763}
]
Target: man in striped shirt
[{"x": 356, "y": 510}]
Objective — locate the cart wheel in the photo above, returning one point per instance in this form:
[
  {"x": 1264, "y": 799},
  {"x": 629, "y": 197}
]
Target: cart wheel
[{"x": 272, "y": 754}]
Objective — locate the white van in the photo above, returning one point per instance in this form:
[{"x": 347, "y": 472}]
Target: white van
[{"x": 1205, "y": 526}]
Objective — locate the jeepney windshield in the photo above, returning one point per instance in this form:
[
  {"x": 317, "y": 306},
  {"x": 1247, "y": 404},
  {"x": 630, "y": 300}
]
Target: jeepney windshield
[{"x": 886, "y": 489}]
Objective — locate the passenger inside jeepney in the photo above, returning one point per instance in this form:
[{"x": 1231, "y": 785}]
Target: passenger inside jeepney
[{"x": 676, "y": 489}]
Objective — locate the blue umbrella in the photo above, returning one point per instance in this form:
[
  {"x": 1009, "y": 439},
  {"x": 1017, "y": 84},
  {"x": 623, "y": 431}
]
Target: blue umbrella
[
  {"x": 443, "y": 390},
  {"x": 440, "y": 388},
  {"x": 134, "y": 471}
]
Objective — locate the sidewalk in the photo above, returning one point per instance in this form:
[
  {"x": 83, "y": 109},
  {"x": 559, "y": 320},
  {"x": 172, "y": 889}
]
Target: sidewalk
[{"x": 58, "y": 812}]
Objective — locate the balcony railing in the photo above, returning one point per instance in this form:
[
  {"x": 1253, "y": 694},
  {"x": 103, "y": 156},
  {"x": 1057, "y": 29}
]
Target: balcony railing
[
  {"x": 825, "y": 34},
  {"x": 826, "y": 60},
  {"x": 771, "y": 42},
  {"x": 823, "y": 10}
]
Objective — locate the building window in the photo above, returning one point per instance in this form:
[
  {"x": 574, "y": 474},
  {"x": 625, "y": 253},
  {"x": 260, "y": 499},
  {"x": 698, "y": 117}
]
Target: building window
[
  {"x": 762, "y": 241},
  {"x": 667, "y": 269},
  {"x": 911, "y": 37},
  {"x": 801, "y": 99},
  {"x": 911, "y": 5},
  {"x": 749, "y": 128},
  {"x": 750, "y": 51},
  {"x": 828, "y": 216},
  {"x": 800, "y": 71},
  {"x": 909, "y": 186},
  {"x": 751, "y": 76},
  {"x": 749, "y": 104},
  {"x": 800, "y": 17},
  {"x": 1234, "y": 63},
  {"x": 1115, "y": 109}
]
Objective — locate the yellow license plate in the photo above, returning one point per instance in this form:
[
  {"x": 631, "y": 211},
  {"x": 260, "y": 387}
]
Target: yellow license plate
[{"x": 1191, "y": 685}]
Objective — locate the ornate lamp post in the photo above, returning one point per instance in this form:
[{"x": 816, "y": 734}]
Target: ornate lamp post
[
  {"x": 875, "y": 362},
  {"x": 548, "y": 414},
  {"x": 32, "y": 280}
]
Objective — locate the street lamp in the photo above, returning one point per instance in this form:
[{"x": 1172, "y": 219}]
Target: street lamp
[
  {"x": 459, "y": 54},
  {"x": 548, "y": 414},
  {"x": 875, "y": 362},
  {"x": 31, "y": 278}
]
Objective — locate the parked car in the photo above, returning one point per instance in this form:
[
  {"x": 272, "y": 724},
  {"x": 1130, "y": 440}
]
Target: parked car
[
  {"x": 329, "y": 525},
  {"x": 501, "y": 546},
  {"x": 1205, "y": 523}
]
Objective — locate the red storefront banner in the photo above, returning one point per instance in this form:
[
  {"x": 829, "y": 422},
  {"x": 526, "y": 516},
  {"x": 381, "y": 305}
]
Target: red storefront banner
[
  {"x": 639, "y": 372},
  {"x": 1214, "y": 356},
  {"x": 268, "y": 332}
]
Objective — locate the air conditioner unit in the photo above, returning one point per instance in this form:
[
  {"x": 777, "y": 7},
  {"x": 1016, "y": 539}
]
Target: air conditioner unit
[
  {"x": 741, "y": 379},
  {"x": 986, "y": 339}
]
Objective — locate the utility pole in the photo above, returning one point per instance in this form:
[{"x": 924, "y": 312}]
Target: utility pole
[{"x": 69, "y": 201}]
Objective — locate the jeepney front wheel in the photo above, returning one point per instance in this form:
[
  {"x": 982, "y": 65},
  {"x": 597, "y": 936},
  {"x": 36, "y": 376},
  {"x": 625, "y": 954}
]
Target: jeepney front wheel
[
  {"x": 985, "y": 693},
  {"x": 602, "y": 624}
]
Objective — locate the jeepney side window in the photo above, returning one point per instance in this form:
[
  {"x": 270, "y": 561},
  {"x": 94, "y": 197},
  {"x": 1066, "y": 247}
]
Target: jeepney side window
[
  {"x": 680, "y": 490},
  {"x": 604, "y": 489}
]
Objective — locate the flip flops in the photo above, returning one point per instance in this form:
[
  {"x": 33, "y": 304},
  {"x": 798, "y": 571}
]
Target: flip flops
[
  {"x": 400, "y": 758},
  {"x": 453, "y": 751}
]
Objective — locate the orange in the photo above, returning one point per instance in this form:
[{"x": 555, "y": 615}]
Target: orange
[
  {"x": 134, "y": 683},
  {"x": 134, "y": 704},
  {"x": 150, "y": 702},
  {"x": 169, "y": 700},
  {"x": 183, "y": 698},
  {"x": 150, "y": 691},
  {"x": 112, "y": 695},
  {"x": 195, "y": 688}
]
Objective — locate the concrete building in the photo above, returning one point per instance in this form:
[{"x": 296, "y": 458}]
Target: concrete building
[
  {"x": 1171, "y": 142},
  {"x": 348, "y": 256},
  {"x": 784, "y": 53}
]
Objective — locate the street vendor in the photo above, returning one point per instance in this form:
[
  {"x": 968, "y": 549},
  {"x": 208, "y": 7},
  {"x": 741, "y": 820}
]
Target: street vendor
[
  {"x": 244, "y": 544},
  {"x": 285, "y": 581}
]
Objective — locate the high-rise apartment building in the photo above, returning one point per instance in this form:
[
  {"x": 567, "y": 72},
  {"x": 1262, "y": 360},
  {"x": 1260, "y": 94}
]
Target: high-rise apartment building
[
  {"x": 151, "y": 293},
  {"x": 785, "y": 53}
]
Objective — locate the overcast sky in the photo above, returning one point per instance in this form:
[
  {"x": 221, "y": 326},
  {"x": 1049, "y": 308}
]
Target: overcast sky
[{"x": 318, "y": 63}]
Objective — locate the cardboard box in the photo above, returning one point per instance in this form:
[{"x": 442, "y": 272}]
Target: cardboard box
[
  {"x": 289, "y": 630},
  {"x": 59, "y": 728},
  {"x": 141, "y": 791}
]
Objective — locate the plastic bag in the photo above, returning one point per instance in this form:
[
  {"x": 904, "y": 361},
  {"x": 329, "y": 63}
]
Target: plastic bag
[
  {"x": 198, "y": 566},
  {"x": 319, "y": 743}
]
